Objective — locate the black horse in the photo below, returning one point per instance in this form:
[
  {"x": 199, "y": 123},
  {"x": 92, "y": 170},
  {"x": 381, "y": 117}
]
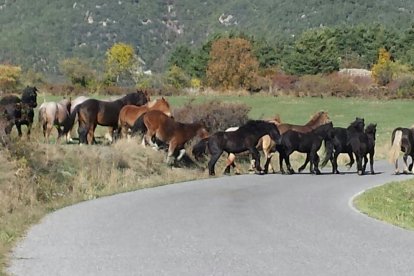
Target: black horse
[
  {"x": 339, "y": 144},
  {"x": 363, "y": 144},
  {"x": 23, "y": 112},
  {"x": 243, "y": 139},
  {"x": 94, "y": 112},
  {"x": 402, "y": 139},
  {"x": 308, "y": 143}
]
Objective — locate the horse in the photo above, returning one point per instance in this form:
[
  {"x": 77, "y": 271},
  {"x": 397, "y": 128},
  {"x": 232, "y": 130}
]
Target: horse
[
  {"x": 54, "y": 114},
  {"x": 230, "y": 162},
  {"x": 130, "y": 113},
  {"x": 269, "y": 146},
  {"x": 245, "y": 138},
  {"x": 28, "y": 102},
  {"x": 402, "y": 139},
  {"x": 363, "y": 144},
  {"x": 339, "y": 144},
  {"x": 8, "y": 115},
  {"x": 308, "y": 143},
  {"x": 167, "y": 130},
  {"x": 94, "y": 112}
]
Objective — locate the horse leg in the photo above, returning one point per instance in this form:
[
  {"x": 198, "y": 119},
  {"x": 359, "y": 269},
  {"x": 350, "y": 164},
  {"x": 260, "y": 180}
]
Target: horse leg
[
  {"x": 371, "y": 162},
  {"x": 316, "y": 165},
  {"x": 90, "y": 136},
  {"x": 256, "y": 156},
  {"x": 171, "y": 149},
  {"x": 410, "y": 167},
  {"x": 19, "y": 129},
  {"x": 301, "y": 168},
  {"x": 213, "y": 161},
  {"x": 281, "y": 158},
  {"x": 359, "y": 164},
  {"x": 405, "y": 159},
  {"x": 230, "y": 163},
  {"x": 287, "y": 161},
  {"x": 335, "y": 163},
  {"x": 351, "y": 160},
  {"x": 181, "y": 155}
]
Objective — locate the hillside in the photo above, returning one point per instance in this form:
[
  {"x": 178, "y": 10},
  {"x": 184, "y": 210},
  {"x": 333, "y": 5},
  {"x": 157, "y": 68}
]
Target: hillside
[{"x": 37, "y": 34}]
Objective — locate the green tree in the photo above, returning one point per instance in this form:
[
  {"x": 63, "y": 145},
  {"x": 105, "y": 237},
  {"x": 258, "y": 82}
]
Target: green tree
[
  {"x": 314, "y": 52},
  {"x": 78, "y": 71}
]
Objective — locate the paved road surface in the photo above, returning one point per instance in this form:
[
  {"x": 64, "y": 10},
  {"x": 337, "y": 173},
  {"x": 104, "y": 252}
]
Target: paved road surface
[{"x": 240, "y": 225}]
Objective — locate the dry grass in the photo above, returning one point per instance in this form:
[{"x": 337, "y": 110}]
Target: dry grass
[{"x": 40, "y": 178}]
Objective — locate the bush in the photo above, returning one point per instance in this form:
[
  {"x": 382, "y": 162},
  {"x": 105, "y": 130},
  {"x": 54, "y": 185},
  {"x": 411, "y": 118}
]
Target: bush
[{"x": 216, "y": 115}]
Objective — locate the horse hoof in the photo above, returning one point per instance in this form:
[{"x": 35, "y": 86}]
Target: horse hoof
[
  {"x": 360, "y": 173},
  {"x": 372, "y": 172}
]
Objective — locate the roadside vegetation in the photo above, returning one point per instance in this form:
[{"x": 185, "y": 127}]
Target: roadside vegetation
[{"x": 393, "y": 203}]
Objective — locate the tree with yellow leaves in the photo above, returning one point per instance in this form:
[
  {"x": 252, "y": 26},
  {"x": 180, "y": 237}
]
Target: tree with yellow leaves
[
  {"x": 382, "y": 71},
  {"x": 9, "y": 77},
  {"x": 121, "y": 61}
]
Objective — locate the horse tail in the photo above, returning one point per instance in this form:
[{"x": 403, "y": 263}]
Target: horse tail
[
  {"x": 395, "y": 147},
  {"x": 70, "y": 121},
  {"x": 200, "y": 148},
  {"x": 328, "y": 152},
  {"x": 139, "y": 126}
]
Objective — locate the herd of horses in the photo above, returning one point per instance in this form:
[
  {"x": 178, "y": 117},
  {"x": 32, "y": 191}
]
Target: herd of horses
[{"x": 135, "y": 114}]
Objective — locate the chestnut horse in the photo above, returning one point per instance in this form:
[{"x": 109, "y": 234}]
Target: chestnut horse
[
  {"x": 130, "y": 113},
  {"x": 94, "y": 112},
  {"x": 167, "y": 130}
]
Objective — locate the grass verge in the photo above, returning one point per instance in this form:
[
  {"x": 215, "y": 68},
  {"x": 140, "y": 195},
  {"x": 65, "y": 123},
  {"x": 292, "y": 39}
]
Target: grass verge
[{"x": 393, "y": 203}]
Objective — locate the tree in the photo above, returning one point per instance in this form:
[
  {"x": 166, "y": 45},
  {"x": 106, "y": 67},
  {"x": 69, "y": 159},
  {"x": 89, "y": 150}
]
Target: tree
[
  {"x": 9, "y": 77},
  {"x": 121, "y": 63},
  {"x": 77, "y": 70},
  {"x": 232, "y": 64},
  {"x": 314, "y": 52},
  {"x": 382, "y": 70}
]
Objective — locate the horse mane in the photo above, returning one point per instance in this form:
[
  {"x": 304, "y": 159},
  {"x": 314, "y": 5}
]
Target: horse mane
[
  {"x": 316, "y": 117},
  {"x": 153, "y": 102},
  {"x": 276, "y": 120}
]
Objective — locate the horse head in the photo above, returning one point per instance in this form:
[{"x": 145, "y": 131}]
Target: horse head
[
  {"x": 202, "y": 131},
  {"x": 162, "y": 105},
  {"x": 29, "y": 96},
  {"x": 318, "y": 119},
  {"x": 371, "y": 129},
  {"x": 358, "y": 124}
]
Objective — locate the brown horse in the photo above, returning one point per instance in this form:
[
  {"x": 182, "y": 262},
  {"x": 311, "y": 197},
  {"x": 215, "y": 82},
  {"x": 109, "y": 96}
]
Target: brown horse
[
  {"x": 130, "y": 113},
  {"x": 94, "y": 112},
  {"x": 167, "y": 130},
  {"x": 268, "y": 145}
]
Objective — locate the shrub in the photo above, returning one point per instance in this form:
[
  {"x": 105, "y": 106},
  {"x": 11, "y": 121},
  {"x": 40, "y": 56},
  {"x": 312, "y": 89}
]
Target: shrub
[{"x": 216, "y": 115}]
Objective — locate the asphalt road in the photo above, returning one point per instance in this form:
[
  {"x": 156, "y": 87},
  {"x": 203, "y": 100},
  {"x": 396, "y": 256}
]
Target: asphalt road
[{"x": 239, "y": 225}]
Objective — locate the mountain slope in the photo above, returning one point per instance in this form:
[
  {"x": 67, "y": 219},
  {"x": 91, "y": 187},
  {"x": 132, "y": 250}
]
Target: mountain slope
[{"x": 39, "y": 33}]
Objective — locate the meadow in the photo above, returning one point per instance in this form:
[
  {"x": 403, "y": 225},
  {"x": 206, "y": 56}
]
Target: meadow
[{"x": 37, "y": 178}]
